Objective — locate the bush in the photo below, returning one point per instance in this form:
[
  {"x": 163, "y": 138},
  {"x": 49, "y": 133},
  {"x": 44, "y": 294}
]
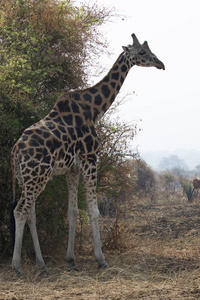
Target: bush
[{"x": 45, "y": 47}]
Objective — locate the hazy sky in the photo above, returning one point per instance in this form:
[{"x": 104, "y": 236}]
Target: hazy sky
[{"x": 168, "y": 102}]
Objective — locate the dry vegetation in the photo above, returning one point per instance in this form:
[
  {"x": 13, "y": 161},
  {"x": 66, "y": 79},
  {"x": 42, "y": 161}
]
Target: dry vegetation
[{"x": 157, "y": 258}]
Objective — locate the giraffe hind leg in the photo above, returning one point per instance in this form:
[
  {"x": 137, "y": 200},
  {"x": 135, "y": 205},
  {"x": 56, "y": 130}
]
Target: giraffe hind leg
[
  {"x": 25, "y": 211},
  {"x": 20, "y": 221},
  {"x": 33, "y": 230}
]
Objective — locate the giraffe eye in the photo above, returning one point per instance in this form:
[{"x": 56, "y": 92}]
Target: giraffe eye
[{"x": 142, "y": 52}]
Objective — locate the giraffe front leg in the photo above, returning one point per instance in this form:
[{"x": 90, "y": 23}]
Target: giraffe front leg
[
  {"x": 90, "y": 179},
  {"x": 72, "y": 183},
  {"x": 94, "y": 216}
]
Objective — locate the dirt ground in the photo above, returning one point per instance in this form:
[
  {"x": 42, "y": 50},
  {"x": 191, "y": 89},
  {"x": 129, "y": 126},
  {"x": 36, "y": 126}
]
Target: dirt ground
[{"x": 160, "y": 260}]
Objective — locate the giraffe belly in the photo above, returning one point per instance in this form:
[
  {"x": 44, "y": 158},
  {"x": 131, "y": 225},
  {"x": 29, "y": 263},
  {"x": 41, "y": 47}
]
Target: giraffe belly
[{"x": 60, "y": 168}]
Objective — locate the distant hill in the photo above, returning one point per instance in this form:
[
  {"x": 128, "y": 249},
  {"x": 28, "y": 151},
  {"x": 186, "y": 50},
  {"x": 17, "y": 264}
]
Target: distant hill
[{"x": 190, "y": 157}]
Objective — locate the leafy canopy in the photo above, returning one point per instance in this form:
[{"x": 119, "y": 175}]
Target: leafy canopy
[{"x": 45, "y": 47}]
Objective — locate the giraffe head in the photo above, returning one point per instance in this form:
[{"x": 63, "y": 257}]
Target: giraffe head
[{"x": 141, "y": 55}]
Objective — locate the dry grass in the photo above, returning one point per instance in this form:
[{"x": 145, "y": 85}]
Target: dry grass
[{"x": 162, "y": 262}]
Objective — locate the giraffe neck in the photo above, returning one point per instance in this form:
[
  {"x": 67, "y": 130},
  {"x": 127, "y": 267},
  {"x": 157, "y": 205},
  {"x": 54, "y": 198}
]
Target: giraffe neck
[
  {"x": 105, "y": 91},
  {"x": 88, "y": 106}
]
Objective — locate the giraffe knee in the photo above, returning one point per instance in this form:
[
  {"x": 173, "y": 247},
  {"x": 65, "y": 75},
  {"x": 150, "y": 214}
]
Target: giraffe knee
[
  {"x": 31, "y": 219},
  {"x": 93, "y": 213},
  {"x": 19, "y": 215},
  {"x": 73, "y": 213}
]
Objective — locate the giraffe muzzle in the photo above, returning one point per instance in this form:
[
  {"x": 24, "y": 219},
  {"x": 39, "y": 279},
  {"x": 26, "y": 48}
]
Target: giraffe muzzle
[{"x": 159, "y": 65}]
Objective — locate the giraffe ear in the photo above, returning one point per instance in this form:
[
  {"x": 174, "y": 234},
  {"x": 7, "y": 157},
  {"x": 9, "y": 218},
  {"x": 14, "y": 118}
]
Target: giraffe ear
[{"x": 125, "y": 48}]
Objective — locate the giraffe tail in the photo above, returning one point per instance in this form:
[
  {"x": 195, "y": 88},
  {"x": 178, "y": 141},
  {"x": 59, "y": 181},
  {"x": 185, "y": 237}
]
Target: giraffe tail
[
  {"x": 12, "y": 207},
  {"x": 12, "y": 223}
]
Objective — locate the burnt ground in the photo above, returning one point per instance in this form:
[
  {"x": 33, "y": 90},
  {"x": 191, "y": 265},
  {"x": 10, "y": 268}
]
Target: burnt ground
[
  {"x": 157, "y": 256},
  {"x": 169, "y": 221}
]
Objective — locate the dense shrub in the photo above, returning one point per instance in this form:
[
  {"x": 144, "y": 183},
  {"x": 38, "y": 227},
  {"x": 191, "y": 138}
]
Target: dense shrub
[{"x": 46, "y": 47}]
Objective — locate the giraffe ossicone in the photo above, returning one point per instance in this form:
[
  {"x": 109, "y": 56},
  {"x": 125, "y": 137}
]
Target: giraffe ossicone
[{"x": 65, "y": 142}]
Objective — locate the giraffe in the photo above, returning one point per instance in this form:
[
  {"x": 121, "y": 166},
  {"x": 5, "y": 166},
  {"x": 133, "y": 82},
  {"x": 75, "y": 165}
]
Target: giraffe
[{"x": 65, "y": 142}]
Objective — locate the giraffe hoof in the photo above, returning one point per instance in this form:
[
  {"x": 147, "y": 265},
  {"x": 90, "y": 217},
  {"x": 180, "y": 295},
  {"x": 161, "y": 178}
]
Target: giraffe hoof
[
  {"x": 19, "y": 273},
  {"x": 72, "y": 266},
  {"x": 103, "y": 265},
  {"x": 44, "y": 270}
]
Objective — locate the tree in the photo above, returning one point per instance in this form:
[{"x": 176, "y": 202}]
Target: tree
[
  {"x": 46, "y": 47},
  {"x": 188, "y": 189},
  {"x": 145, "y": 179},
  {"x": 169, "y": 181},
  {"x": 179, "y": 171},
  {"x": 173, "y": 161},
  {"x": 197, "y": 170},
  {"x": 115, "y": 137},
  {"x": 115, "y": 151}
]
